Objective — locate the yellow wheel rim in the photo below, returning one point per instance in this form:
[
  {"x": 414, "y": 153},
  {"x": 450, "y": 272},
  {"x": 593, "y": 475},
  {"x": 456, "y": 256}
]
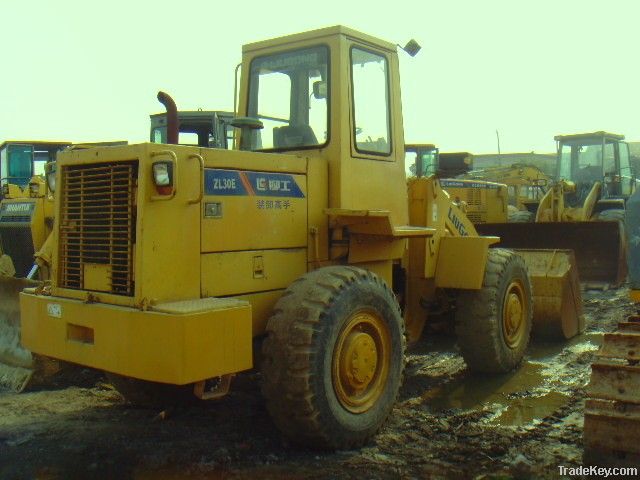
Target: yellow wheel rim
[
  {"x": 361, "y": 359},
  {"x": 514, "y": 311}
]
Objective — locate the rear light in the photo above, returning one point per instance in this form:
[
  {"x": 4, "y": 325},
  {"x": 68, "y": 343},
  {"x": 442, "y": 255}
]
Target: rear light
[{"x": 163, "y": 177}]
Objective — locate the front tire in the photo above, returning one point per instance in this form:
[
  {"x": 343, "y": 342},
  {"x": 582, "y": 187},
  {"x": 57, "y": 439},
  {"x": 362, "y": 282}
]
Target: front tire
[
  {"x": 493, "y": 324},
  {"x": 333, "y": 358}
]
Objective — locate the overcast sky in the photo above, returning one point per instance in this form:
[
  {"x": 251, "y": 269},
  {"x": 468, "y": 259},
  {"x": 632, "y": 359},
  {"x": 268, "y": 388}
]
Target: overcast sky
[{"x": 90, "y": 71}]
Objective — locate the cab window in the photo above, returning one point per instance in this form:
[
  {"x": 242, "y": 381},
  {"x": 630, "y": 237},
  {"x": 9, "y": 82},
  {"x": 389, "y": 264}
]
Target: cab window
[
  {"x": 289, "y": 93},
  {"x": 370, "y": 85}
]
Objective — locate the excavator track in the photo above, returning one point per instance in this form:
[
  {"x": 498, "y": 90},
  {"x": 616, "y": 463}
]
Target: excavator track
[{"x": 612, "y": 409}]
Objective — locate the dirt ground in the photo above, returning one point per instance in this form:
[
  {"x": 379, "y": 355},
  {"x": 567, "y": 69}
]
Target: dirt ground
[{"x": 447, "y": 424}]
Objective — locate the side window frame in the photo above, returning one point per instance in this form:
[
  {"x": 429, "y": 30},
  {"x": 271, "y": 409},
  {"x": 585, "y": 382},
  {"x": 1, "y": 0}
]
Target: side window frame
[{"x": 358, "y": 152}]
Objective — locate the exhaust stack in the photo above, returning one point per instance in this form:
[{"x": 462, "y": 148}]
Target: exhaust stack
[{"x": 172, "y": 117}]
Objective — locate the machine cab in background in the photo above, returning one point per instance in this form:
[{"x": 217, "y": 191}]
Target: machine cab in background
[
  {"x": 21, "y": 160},
  {"x": 587, "y": 158}
]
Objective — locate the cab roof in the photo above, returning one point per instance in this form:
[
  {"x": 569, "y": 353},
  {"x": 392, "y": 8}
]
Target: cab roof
[
  {"x": 317, "y": 34},
  {"x": 36, "y": 143},
  {"x": 582, "y": 136}
]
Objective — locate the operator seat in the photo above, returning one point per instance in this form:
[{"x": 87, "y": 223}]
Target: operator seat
[{"x": 294, "y": 136}]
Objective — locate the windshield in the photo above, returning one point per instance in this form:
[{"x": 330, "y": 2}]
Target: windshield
[
  {"x": 288, "y": 93},
  {"x": 582, "y": 161},
  {"x": 18, "y": 167},
  {"x": 427, "y": 158},
  {"x": 586, "y": 161}
]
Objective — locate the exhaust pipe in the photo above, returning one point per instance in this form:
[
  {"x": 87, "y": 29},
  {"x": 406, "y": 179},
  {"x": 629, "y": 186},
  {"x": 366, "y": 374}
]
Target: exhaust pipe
[{"x": 172, "y": 117}]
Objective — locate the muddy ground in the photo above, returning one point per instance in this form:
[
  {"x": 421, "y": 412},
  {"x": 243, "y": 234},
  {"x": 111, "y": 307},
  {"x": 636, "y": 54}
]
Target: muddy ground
[{"x": 447, "y": 424}]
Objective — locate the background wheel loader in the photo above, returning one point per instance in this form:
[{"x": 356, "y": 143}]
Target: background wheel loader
[
  {"x": 170, "y": 261},
  {"x": 612, "y": 409},
  {"x": 553, "y": 272},
  {"x": 26, "y": 221},
  {"x": 582, "y": 208}
]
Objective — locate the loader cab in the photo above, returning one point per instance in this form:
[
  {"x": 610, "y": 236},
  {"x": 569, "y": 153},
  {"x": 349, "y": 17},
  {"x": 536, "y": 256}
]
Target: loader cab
[
  {"x": 200, "y": 127},
  {"x": 20, "y": 161},
  {"x": 421, "y": 159},
  {"x": 331, "y": 96},
  {"x": 596, "y": 157}
]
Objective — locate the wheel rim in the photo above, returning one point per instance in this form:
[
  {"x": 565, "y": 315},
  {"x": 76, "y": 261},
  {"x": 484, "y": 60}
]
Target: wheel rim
[
  {"x": 361, "y": 360},
  {"x": 514, "y": 313}
]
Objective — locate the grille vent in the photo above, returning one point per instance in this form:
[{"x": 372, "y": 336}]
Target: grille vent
[{"x": 97, "y": 224}]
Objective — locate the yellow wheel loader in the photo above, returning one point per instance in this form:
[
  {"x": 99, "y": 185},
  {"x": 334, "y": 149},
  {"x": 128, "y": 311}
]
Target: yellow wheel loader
[
  {"x": 583, "y": 209},
  {"x": 553, "y": 273},
  {"x": 26, "y": 219},
  {"x": 612, "y": 409},
  {"x": 170, "y": 261}
]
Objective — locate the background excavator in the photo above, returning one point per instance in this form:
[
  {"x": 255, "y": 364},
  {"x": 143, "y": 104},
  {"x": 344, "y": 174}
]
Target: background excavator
[{"x": 526, "y": 185}]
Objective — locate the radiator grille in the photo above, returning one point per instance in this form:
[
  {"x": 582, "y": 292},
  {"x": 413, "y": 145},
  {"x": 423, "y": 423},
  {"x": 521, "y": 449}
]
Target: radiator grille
[
  {"x": 474, "y": 196},
  {"x": 97, "y": 223}
]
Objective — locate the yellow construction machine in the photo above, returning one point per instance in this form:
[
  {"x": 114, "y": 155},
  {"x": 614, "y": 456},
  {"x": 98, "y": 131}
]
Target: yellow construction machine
[
  {"x": 558, "y": 300},
  {"x": 481, "y": 201},
  {"x": 526, "y": 185},
  {"x": 206, "y": 128},
  {"x": 612, "y": 409},
  {"x": 26, "y": 221},
  {"x": 582, "y": 209},
  {"x": 170, "y": 261}
]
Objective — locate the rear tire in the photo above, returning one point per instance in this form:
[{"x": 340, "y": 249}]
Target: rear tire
[
  {"x": 493, "y": 324},
  {"x": 521, "y": 216},
  {"x": 333, "y": 359},
  {"x": 143, "y": 393}
]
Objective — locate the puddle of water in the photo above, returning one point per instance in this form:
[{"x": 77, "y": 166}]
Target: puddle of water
[
  {"x": 525, "y": 410},
  {"x": 541, "y": 350},
  {"x": 476, "y": 391}
]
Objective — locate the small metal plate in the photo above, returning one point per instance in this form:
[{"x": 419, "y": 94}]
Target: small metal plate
[{"x": 213, "y": 210}]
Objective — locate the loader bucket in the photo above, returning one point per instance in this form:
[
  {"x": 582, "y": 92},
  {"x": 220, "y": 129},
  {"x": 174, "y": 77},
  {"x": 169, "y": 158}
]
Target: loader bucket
[
  {"x": 599, "y": 247},
  {"x": 557, "y": 299},
  {"x": 16, "y": 363}
]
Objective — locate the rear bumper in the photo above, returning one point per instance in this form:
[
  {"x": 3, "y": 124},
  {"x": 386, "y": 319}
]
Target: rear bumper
[{"x": 180, "y": 344}]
